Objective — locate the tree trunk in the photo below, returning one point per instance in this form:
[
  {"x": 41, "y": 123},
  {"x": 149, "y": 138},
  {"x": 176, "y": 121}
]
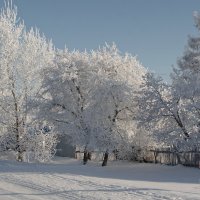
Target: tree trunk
[
  {"x": 155, "y": 156},
  {"x": 116, "y": 154},
  {"x": 85, "y": 157},
  {"x": 17, "y": 124},
  {"x": 19, "y": 156},
  {"x": 89, "y": 155},
  {"x": 105, "y": 159},
  {"x": 18, "y": 147},
  {"x": 178, "y": 158}
]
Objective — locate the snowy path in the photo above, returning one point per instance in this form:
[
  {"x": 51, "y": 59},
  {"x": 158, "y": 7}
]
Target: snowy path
[{"x": 67, "y": 179}]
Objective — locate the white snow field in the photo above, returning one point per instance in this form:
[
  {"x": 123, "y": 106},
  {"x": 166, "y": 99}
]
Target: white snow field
[{"x": 66, "y": 178}]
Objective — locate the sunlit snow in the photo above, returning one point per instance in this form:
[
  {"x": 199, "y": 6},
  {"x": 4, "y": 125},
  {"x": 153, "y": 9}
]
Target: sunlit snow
[{"x": 66, "y": 178}]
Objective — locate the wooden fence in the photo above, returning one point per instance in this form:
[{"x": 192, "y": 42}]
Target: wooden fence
[
  {"x": 167, "y": 157},
  {"x": 191, "y": 158}
]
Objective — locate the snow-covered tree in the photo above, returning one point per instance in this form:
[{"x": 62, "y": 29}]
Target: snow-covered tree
[
  {"x": 23, "y": 55},
  {"x": 65, "y": 95},
  {"x": 172, "y": 111},
  {"x": 186, "y": 81},
  {"x": 114, "y": 106},
  {"x": 191, "y": 58},
  {"x": 90, "y": 96},
  {"x": 162, "y": 111},
  {"x": 40, "y": 144}
]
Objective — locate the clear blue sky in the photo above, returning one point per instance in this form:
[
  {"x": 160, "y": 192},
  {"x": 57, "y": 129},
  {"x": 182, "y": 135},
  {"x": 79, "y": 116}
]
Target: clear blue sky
[{"x": 155, "y": 30}]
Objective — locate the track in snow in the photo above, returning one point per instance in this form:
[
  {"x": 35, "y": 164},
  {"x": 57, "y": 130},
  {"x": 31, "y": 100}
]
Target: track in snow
[{"x": 68, "y": 179}]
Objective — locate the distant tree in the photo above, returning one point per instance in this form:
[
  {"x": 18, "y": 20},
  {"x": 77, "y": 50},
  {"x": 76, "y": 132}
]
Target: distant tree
[
  {"x": 186, "y": 81},
  {"x": 190, "y": 60},
  {"x": 172, "y": 111}
]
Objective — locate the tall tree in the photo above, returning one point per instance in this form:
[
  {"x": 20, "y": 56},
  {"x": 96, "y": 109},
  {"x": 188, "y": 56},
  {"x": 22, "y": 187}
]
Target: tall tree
[
  {"x": 172, "y": 111},
  {"x": 90, "y": 95},
  {"x": 22, "y": 56},
  {"x": 186, "y": 81},
  {"x": 114, "y": 106},
  {"x": 65, "y": 95}
]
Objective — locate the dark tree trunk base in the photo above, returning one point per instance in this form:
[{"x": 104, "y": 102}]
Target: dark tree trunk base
[
  {"x": 20, "y": 157},
  {"x": 85, "y": 157},
  {"x": 105, "y": 159}
]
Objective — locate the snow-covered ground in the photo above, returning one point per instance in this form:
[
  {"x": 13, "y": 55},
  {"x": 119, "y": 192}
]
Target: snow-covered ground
[{"x": 66, "y": 178}]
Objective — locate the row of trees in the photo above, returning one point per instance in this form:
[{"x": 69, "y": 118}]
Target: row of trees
[
  {"x": 86, "y": 95},
  {"x": 102, "y": 100}
]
